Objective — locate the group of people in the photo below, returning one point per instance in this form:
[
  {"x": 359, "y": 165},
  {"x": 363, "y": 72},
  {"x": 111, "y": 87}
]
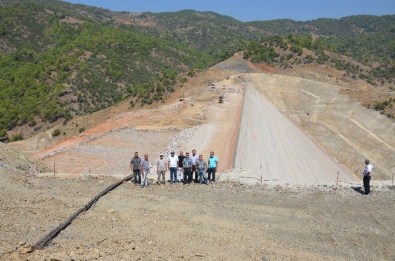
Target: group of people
[
  {"x": 183, "y": 168},
  {"x": 193, "y": 168}
]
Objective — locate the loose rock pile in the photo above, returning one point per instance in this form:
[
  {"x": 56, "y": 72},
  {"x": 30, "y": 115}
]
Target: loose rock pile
[{"x": 175, "y": 144}]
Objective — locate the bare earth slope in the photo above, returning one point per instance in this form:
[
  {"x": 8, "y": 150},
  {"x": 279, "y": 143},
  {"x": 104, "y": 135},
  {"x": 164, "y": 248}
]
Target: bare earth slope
[{"x": 13, "y": 160}]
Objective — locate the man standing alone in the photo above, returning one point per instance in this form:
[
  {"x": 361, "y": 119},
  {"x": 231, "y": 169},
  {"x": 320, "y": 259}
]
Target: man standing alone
[
  {"x": 366, "y": 176},
  {"x": 135, "y": 165}
]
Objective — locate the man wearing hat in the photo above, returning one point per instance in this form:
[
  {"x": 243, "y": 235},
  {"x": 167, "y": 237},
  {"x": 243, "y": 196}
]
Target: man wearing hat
[
  {"x": 161, "y": 168},
  {"x": 173, "y": 163}
]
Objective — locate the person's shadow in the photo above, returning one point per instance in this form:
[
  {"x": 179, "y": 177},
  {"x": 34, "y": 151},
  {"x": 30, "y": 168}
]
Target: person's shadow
[{"x": 359, "y": 190}]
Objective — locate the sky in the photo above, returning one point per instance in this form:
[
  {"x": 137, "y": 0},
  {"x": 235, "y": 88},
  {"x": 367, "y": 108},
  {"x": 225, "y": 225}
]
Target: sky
[{"x": 255, "y": 10}]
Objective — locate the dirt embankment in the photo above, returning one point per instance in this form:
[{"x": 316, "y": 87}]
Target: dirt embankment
[{"x": 13, "y": 160}]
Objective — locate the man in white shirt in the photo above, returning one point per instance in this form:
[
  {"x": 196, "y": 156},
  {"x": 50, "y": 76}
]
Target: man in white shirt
[
  {"x": 367, "y": 172},
  {"x": 173, "y": 164},
  {"x": 145, "y": 170}
]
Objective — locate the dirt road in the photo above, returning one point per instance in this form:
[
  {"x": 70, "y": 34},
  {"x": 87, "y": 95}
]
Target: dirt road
[{"x": 272, "y": 146}]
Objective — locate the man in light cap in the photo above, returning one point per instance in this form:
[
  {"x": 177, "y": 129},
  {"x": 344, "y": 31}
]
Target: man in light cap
[{"x": 161, "y": 168}]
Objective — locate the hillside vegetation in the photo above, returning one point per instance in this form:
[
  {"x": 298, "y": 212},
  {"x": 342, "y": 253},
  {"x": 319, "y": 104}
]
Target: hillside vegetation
[{"x": 59, "y": 60}]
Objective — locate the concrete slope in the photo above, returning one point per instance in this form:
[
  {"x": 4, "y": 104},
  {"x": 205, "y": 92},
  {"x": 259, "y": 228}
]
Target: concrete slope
[
  {"x": 274, "y": 147},
  {"x": 345, "y": 129}
]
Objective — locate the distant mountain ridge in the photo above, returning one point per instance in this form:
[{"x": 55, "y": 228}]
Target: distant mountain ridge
[{"x": 59, "y": 60}]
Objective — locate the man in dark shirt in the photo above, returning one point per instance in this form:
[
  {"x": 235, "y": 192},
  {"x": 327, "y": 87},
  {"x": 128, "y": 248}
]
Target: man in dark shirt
[
  {"x": 180, "y": 171},
  {"x": 187, "y": 164},
  {"x": 195, "y": 158},
  {"x": 135, "y": 166}
]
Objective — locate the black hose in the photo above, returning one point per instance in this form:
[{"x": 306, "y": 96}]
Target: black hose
[{"x": 42, "y": 243}]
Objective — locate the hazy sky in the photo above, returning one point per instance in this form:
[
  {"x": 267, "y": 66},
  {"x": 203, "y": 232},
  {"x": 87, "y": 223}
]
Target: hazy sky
[{"x": 251, "y": 10}]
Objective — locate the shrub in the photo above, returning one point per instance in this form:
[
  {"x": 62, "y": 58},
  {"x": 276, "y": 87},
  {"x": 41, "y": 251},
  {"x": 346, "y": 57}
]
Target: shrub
[
  {"x": 56, "y": 132},
  {"x": 3, "y": 134},
  {"x": 191, "y": 73},
  {"x": 17, "y": 137},
  {"x": 82, "y": 129}
]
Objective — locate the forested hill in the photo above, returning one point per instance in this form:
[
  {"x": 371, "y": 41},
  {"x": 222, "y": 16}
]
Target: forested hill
[{"x": 59, "y": 60}]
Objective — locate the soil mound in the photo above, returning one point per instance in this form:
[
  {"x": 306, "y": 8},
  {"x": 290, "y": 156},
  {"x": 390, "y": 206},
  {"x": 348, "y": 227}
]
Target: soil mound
[{"x": 12, "y": 160}]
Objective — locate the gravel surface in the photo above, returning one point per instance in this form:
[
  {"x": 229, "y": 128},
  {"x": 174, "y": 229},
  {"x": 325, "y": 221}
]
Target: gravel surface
[{"x": 222, "y": 221}]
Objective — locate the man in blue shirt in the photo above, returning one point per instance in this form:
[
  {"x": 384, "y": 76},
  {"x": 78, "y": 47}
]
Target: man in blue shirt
[{"x": 212, "y": 166}]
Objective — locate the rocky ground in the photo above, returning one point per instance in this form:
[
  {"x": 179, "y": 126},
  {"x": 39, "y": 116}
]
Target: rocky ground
[{"x": 223, "y": 221}]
